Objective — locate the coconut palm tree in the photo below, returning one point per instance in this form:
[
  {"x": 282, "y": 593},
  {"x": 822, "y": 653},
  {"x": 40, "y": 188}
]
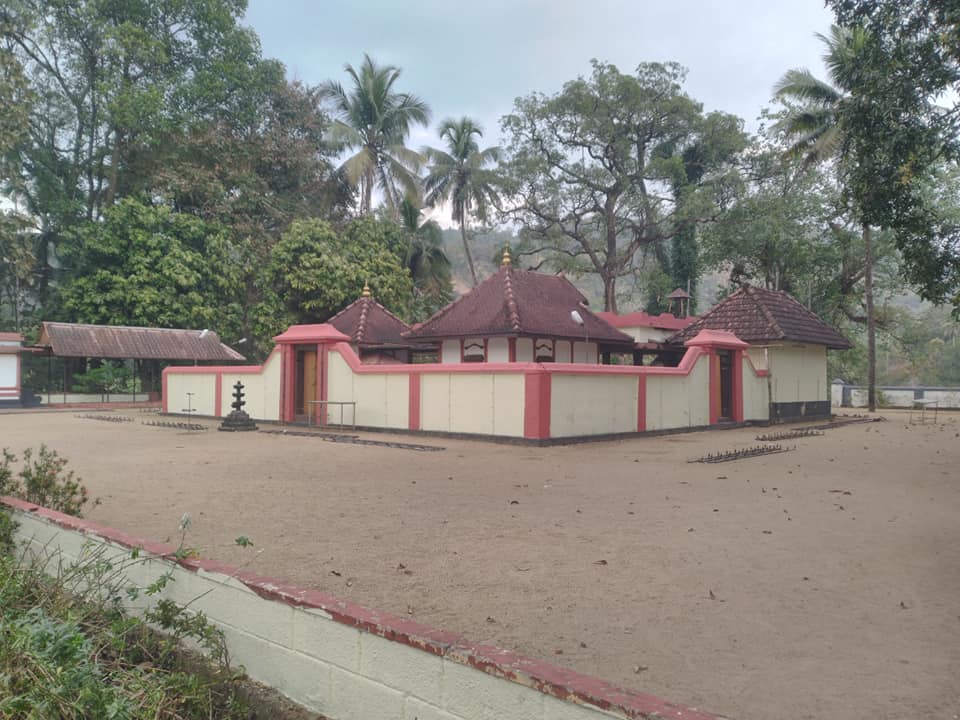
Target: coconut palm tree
[
  {"x": 815, "y": 125},
  {"x": 375, "y": 120},
  {"x": 461, "y": 177},
  {"x": 425, "y": 259}
]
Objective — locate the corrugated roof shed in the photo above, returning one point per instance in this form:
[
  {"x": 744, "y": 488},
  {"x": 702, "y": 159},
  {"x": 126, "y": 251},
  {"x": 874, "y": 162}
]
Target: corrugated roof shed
[
  {"x": 756, "y": 315},
  {"x": 134, "y": 343},
  {"x": 519, "y": 302}
]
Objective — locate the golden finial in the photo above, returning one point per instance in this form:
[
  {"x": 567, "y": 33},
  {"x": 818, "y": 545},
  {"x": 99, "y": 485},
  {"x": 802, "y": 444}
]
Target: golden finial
[
  {"x": 366, "y": 290},
  {"x": 506, "y": 256}
]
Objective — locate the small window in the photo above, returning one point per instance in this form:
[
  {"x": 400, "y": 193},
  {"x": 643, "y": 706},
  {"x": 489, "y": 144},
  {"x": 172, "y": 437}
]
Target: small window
[
  {"x": 473, "y": 351},
  {"x": 543, "y": 351}
]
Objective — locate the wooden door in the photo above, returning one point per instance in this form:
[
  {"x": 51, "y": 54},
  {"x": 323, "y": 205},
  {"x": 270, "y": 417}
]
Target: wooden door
[{"x": 307, "y": 381}]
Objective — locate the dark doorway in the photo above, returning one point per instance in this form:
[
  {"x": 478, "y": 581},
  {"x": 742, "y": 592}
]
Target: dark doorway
[{"x": 726, "y": 384}]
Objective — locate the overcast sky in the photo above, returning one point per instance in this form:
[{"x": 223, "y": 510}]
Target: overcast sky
[{"x": 476, "y": 58}]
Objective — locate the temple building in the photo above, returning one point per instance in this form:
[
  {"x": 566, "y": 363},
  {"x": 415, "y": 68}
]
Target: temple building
[{"x": 521, "y": 316}]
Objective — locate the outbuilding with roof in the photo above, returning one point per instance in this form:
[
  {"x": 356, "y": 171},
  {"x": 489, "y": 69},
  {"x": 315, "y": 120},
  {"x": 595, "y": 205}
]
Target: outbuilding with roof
[{"x": 785, "y": 338}]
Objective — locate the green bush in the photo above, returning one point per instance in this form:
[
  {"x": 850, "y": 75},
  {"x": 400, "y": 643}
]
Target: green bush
[
  {"x": 106, "y": 378},
  {"x": 43, "y": 479}
]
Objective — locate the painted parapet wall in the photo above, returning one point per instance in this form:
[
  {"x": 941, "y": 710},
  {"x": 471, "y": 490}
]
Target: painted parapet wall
[
  {"x": 340, "y": 659},
  {"x": 10, "y": 369},
  {"x": 212, "y": 388},
  {"x": 798, "y": 381},
  {"x": 462, "y": 398},
  {"x": 756, "y": 391},
  {"x": 843, "y": 395},
  {"x": 532, "y": 401}
]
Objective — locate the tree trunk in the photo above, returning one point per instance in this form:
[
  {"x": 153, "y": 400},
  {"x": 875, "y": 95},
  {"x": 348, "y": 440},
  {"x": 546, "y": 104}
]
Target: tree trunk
[
  {"x": 610, "y": 293},
  {"x": 367, "y": 199},
  {"x": 114, "y": 171},
  {"x": 871, "y": 320},
  {"x": 466, "y": 250}
]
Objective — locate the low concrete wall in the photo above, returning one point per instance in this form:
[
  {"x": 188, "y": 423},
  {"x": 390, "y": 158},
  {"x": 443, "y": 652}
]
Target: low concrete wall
[
  {"x": 343, "y": 660},
  {"x": 212, "y": 388},
  {"x": 842, "y": 395},
  {"x": 534, "y": 401}
]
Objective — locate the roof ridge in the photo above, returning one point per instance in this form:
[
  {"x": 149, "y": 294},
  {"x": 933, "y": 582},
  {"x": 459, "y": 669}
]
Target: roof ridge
[
  {"x": 699, "y": 322},
  {"x": 765, "y": 310},
  {"x": 449, "y": 306},
  {"x": 334, "y": 317},
  {"x": 362, "y": 323},
  {"x": 143, "y": 328},
  {"x": 564, "y": 278},
  {"x": 512, "y": 309},
  {"x": 387, "y": 311}
]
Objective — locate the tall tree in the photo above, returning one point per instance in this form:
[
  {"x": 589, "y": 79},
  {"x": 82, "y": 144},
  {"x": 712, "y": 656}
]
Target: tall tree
[
  {"x": 375, "y": 120},
  {"x": 818, "y": 128},
  {"x": 460, "y": 176},
  {"x": 588, "y": 180},
  {"x": 16, "y": 256},
  {"x": 426, "y": 261},
  {"x": 145, "y": 265},
  {"x": 112, "y": 80},
  {"x": 901, "y": 123},
  {"x": 315, "y": 271}
]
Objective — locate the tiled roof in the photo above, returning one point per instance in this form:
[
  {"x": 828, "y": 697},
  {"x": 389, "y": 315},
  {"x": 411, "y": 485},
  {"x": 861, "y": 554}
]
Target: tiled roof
[
  {"x": 519, "y": 302},
  {"x": 129, "y": 343},
  {"x": 757, "y": 315},
  {"x": 369, "y": 324},
  {"x": 663, "y": 321}
]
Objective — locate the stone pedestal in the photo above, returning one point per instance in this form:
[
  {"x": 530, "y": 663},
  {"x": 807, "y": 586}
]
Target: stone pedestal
[{"x": 237, "y": 420}]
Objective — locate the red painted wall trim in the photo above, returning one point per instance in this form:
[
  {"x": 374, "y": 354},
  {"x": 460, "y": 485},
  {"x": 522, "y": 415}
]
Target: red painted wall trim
[
  {"x": 413, "y": 422},
  {"x": 164, "y": 395},
  {"x": 218, "y": 396},
  {"x": 289, "y": 384},
  {"x": 714, "y": 388},
  {"x": 737, "y": 383},
  {"x": 642, "y": 403},
  {"x": 504, "y": 664},
  {"x": 322, "y": 383},
  {"x": 536, "y": 404}
]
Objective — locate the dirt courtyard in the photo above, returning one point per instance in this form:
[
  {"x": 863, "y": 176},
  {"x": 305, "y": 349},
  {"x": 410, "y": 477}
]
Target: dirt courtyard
[{"x": 822, "y": 582}]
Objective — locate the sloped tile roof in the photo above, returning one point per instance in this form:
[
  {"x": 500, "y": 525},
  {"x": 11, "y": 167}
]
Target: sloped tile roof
[
  {"x": 663, "y": 321},
  {"x": 133, "y": 343},
  {"x": 756, "y": 315},
  {"x": 369, "y": 324},
  {"x": 519, "y": 302}
]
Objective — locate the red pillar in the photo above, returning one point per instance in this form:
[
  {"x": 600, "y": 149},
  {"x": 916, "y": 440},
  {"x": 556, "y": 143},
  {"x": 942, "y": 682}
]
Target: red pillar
[
  {"x": 737, "y": 388},
  {"x": 322, "y": 389},
  {"x": 218, "y": 396},
  {"x": 413, "y": 422},
  {"x": 714, "y": 386},
  {"x": 641, "y": 403},
  {"x": 289, "y": 394},
  {"x": 536, "y": 410}
]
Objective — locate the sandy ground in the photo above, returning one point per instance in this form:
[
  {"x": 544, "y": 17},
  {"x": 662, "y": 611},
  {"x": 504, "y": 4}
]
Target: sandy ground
[{"x": 822, "y": 582}]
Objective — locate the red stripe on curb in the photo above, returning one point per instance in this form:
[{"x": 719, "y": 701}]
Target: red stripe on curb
[{"x": 536, "y": 674}]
